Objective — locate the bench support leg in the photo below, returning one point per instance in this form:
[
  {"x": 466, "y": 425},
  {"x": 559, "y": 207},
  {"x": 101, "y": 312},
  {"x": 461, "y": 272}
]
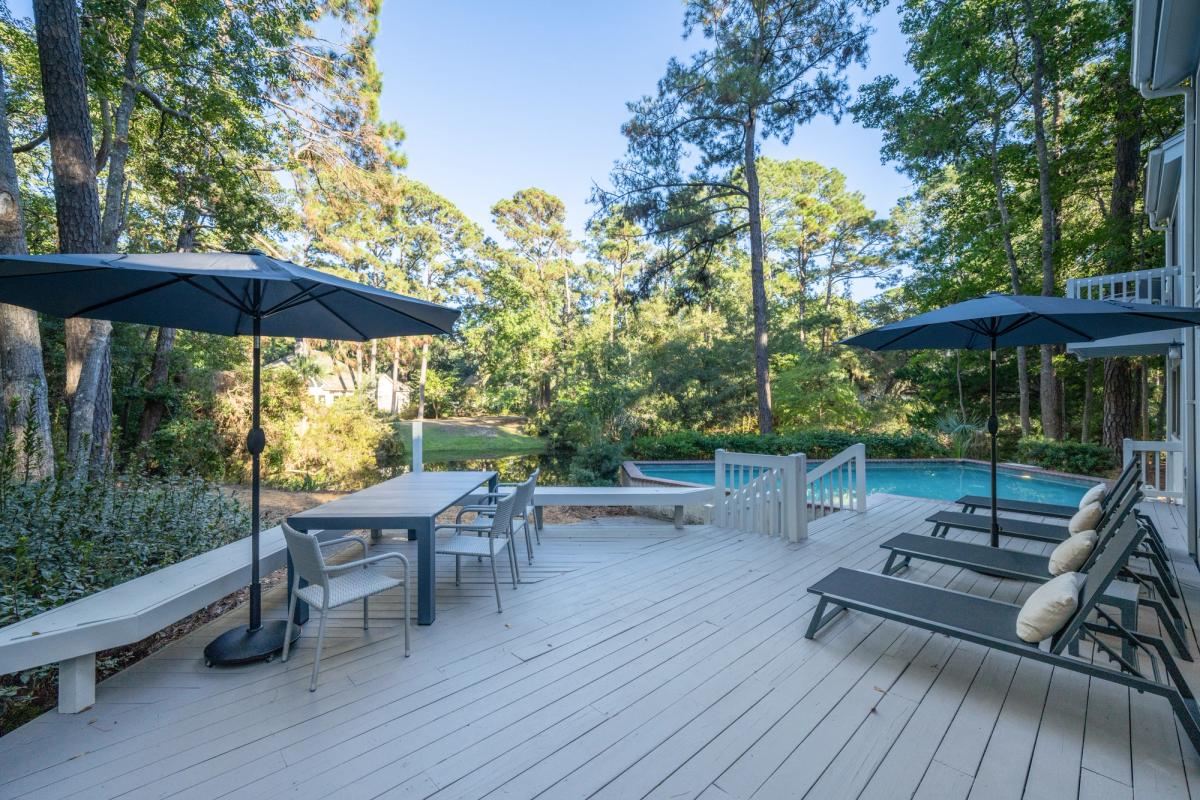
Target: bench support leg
[
  {"x": 537, "y": 515},
  {"x": 820, "y": 619},
  {"x": 678, "y": 517},
  {"x": 77, "y": 684}
]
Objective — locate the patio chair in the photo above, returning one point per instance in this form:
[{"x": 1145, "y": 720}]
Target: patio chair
[
  {"x": 1020, "y": 565},
  {"x": 333, "y": 585},
  {"x": 522, "y": 511},
  {"x": 977, "y": 502},
  {"x": 489, "y": 540},
  {"x": 993, "y": 624}
]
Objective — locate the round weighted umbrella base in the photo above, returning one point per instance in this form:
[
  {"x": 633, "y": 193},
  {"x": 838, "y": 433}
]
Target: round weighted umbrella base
[{"x": 243, "y": 646}]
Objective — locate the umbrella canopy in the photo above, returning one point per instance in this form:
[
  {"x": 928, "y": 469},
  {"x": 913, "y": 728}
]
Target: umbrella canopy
[
  {"x": 216, "y": 293},
  {"x": 999, "y": 320},
  {"x": 225, "y": 293}
]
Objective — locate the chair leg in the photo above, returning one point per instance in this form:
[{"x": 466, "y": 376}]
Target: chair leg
[
  {"x": 312, "y": 685},
  {"x": 458, "y": 570},
  {"x": 512, "y": 560},
  {"x": 287, "y": 631},
  {"x": 496, "y": 585},
  {"x": 407, "y": 650}
]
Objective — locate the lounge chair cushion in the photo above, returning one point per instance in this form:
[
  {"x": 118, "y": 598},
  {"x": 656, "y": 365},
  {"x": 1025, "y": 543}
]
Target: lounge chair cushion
[
  {"x": 1072, "y": 553},
  {"x": 1096, "y": 494},
  {"x": 1050, "y": 607},
  {"x": 1085, "y": 519}
]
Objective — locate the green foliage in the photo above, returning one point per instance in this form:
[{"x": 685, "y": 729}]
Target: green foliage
[
  {"x": 962, "y": 432},
  {"x": 596, "y": 464},
  {"x": 1074, "y": 457},
  {"x": 816, "y": 444}
]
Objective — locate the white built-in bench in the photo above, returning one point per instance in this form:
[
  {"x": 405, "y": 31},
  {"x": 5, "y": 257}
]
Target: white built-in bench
[
  {"x": 665, "y": 496},
  {"x": 71, "y": 635}
]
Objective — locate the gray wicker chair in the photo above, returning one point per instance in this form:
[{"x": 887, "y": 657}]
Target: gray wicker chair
[
  {"x": 489, "y": 539},
  {"x": 333, "y": 585},
  {"x": 522, "y": 511}
]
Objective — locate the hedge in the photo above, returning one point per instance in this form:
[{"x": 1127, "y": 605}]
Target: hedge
[
  {"x": 692, "y": 445},
  {"x": 1073, "y": 457}
]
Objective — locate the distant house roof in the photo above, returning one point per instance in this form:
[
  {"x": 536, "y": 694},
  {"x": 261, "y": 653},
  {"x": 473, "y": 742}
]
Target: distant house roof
[{"x": 1166, "y": 43}]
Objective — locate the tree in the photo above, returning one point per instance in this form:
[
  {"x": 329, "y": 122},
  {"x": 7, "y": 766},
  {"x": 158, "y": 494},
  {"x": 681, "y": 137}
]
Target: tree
[
  {"x": 772, "y": 65},
  {"x": 22, "y": 377},
  {"x": 77, "y": 206}
]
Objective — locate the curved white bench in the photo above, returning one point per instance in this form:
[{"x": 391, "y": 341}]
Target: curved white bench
[
  {"x": 679, "y": 497},
  {"x": 72, "y": 634}
]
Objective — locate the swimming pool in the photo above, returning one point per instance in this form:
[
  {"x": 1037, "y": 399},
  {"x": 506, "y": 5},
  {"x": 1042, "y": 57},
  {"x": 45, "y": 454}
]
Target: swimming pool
[{"x": 937, "y": 480}]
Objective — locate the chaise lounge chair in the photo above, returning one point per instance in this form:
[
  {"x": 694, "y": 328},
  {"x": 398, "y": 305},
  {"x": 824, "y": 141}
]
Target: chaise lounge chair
[
  {"x": 1019, "y": 565},
  {"x": 992, "y": 623}
]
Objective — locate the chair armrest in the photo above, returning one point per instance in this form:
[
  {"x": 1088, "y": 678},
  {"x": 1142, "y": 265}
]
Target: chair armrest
[
  {"x": 463, "y": 526},
  {"x": 478, "y": 510}
]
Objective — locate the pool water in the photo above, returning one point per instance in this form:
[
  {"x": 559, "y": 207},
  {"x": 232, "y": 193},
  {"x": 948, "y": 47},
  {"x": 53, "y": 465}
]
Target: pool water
[{"x": 937, "y": 480}]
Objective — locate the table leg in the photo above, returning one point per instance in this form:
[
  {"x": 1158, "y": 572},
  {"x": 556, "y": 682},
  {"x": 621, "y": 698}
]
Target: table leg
[
  {"x": 426, "y": 574},
  {"x": 376, "y": 535},
  {"x": 493, "y": 485}
]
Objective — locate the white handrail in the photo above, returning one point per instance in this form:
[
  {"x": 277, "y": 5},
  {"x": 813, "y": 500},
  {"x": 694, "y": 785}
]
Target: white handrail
[
  {"x": 777, "y": 495},
  {"x": 1162, "y": 466},
  {"x": 1158, "y": 286}
]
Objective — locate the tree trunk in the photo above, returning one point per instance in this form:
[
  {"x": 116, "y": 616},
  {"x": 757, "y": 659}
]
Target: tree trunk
[
  {"x": 421, "y": 384},
  {"x": 77, "y": 208},
  {"x": 154, "y": 408},
  {"x": 762, "y": 369},
  {"x": 1119, "y": 417},
  {"x": 802, "y": 290},
  {"x": 1050, "y": 403},
  {"x": 1085, "y": 427},
  {"x": 114, "y": 191},
  {"x": 22, "y": 376},
  {"x": 1014, "y": 271}
]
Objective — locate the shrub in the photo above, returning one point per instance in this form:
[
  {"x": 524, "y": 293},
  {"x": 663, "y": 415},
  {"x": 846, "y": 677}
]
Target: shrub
[
  {"x": 1074, "y": 457},
  {"x": 815, "y": 444},
  {"x": 596, "y": 464}
]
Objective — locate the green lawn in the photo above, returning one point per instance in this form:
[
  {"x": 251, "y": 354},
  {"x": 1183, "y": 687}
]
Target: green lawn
[{"x": 464, "y": 438}]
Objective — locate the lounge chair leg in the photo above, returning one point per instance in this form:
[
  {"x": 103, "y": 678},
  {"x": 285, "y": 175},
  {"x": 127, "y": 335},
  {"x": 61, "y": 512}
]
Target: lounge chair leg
[
  {"x": 1171, "y": 627},
  {"x": 891, "y": 567},
  {"x": 820, "y": 619},
  {"x": 496, "y": 585},
  {"x": 312, "y": 685}
]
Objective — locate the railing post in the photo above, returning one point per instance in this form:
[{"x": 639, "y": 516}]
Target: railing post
[
  {"x": 795, "y": 508},
  {"x": 1126, "y": 451},
  {"x": 719, "y": 488},
  {"x": 860, "y": 477}
]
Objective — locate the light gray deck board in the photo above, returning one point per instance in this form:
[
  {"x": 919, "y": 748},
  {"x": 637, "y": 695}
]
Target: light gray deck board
[{"x": 634, "y": 661}]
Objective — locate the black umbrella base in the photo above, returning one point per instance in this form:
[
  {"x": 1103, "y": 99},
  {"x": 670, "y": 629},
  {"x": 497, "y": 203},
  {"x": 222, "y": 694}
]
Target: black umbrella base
[{"x": 243, "y": 646}]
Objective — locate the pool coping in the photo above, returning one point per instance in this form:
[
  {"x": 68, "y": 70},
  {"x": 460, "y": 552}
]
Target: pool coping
[{"x": 633, "y": 474}]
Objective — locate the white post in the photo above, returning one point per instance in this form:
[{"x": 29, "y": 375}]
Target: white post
[
  {"x": 794, "y": 508},
  {"x": 722, "y": 511},
  {"x": 418, "y": 439},
  {"x": 77, "y": 684},
  {"x": 860, "y": 474}
]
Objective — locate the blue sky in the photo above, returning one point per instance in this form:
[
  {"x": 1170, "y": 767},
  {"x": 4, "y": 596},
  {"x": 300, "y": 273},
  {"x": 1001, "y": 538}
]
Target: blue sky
[{"x": 499, "y": 96}]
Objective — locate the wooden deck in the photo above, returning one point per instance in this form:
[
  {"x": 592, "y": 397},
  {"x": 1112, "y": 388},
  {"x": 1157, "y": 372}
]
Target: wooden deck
[{"x": 636, "y": 661}]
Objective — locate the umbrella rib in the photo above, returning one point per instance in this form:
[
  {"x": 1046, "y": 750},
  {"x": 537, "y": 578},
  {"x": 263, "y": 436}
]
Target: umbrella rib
[
  {"x": 297, "y": 299},
  {"x": 345, "y": 321},
  {"x": 7, "y": 275},
  {"x": 189, "y": 279},
  {"x": 127, "y": 296},
  {"x": 436, "y": 329}
]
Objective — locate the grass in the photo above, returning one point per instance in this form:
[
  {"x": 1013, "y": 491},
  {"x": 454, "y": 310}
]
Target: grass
[{"x": 461, "y": 439}]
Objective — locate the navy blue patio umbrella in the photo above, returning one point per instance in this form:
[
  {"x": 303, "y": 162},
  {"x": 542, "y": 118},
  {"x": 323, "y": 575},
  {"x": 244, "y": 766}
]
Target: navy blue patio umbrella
[
  {"x": 1003, "y": 320},
  {"x": 234, "y": 294}
]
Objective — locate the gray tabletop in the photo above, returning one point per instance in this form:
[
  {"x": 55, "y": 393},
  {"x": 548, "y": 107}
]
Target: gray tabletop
[{"x": 411, "y": 502}]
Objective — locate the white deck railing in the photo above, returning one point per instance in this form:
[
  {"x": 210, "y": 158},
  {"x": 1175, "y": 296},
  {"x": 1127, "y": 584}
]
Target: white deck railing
[
  {"x": 1162, "y": 462},
  {"x": 1159, "y": 286},
  {"x": 838, "y": 484},
  {"x": 777, "y": 495}
]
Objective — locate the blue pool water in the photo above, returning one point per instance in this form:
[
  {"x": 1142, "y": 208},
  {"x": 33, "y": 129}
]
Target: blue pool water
[{"x": 937, "y": 480}]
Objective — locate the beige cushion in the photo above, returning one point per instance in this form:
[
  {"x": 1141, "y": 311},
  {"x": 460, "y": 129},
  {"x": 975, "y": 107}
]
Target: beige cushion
[
  {"x": 1049, "y": 607},
  {"x": 1096, "y": 494},
  {"x": 1085, "y": 519},
  {"x": 1071, "y": 554}
]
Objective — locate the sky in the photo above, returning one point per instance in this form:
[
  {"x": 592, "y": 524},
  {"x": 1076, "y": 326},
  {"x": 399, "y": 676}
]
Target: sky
[{"x": 500, "y": 96}]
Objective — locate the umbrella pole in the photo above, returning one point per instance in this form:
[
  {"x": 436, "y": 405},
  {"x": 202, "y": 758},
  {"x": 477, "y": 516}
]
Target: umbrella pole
[
  {"x": 255, "y": 642},
  {"x": 993, "y": 429}
]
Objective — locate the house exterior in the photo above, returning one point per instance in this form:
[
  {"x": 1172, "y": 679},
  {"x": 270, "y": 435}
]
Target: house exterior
[
  {"x": 333, "y": 380},
  {"x": 1165, "y": 59}
]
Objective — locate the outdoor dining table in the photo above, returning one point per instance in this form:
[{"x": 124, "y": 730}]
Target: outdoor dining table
[{"x": 410, "y": 502}]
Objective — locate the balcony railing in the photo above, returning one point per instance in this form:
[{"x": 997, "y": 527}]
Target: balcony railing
[
  {"x": 1160, "y": 286},
  {"x": 1162, "y": 466}
]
